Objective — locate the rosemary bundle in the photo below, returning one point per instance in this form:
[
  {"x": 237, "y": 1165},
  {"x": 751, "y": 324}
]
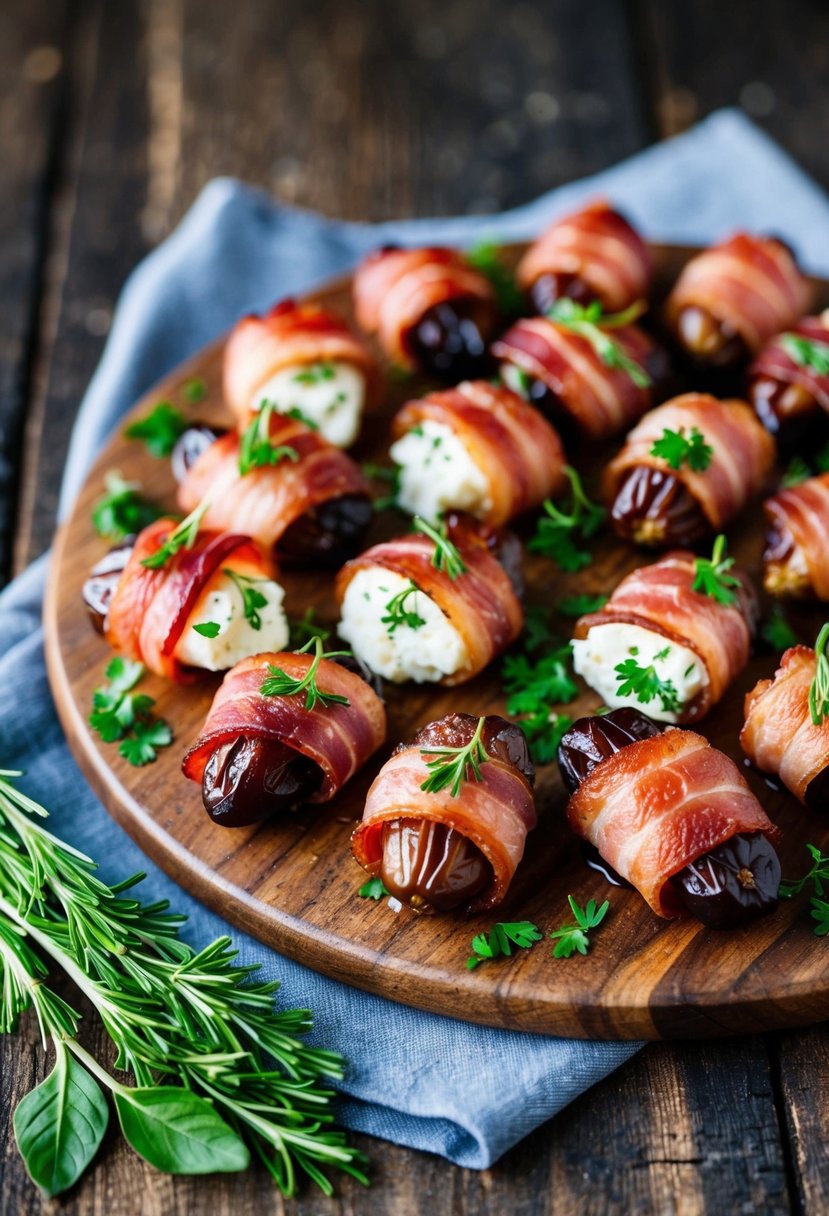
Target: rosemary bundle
[{"x": 219, "y": 1074}]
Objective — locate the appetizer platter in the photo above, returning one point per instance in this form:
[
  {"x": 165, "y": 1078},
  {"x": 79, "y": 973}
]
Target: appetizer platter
[{"x": 466, "y": 620}]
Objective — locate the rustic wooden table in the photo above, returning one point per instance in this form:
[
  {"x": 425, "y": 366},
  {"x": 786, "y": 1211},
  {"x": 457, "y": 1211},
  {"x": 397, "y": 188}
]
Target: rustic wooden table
[{"x": 112, "y": 116}]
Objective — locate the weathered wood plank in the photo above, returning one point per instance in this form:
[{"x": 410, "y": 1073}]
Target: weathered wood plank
[{"x": 803, "y": 1063}]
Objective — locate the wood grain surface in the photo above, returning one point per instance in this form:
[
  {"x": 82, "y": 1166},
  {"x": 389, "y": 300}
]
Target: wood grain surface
[
  {"x": 169, "y": 93},
  {"x": 291, "y": 881}
]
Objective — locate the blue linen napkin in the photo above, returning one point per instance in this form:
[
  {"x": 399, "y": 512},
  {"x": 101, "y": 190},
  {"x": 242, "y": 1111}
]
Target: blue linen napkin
[{"x": 432, "y": 1083}]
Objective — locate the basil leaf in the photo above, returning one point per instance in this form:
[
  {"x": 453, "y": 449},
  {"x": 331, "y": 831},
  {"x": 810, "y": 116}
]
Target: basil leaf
[
  {"x": 60, "y": 1124},
  {"x": 179, "y": 1132}
]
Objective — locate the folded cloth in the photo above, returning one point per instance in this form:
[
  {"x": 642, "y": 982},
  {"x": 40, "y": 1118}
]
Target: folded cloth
[{"x": 433, "y": 1083}]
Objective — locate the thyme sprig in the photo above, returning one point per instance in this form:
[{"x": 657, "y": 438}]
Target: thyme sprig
[{"x": 280, "y": 684}]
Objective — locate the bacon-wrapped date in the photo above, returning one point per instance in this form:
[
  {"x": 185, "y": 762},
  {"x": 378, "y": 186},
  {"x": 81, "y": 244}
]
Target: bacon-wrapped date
[
  {"x": 438, "y": 851},
  {"x": 593, "y": 254},
  {"x": 259, "y": 754},
  {"x": 656, "y": 503},
  {"x": 796, "y": 557},
  {"x": 564, "y": 375},
  {"x": 313, "y": 505},
  {"x": 673, "y": 816},
  {"x": 779, "y": 735},
  {"x": 788, "y": 382},
  {"x": 304, "y": 359},
  {"x": 690, "y": 646},
  {"x": 733, "y": 297},
  {"x": 429, "y": 308},
  {"x": 414, "y": 609},
  {"x": 149, "y": 613},
  {"x": 478, "y": 448}
]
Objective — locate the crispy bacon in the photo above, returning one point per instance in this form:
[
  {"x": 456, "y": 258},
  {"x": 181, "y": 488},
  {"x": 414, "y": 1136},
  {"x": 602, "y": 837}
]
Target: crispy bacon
[
  {"x": 751, "y": 283},
  {"x": 517, "y": 450},
  {"x": 779, "y": 735},
  {"x": 601, "y": 400},
  {"x": 800, "y": 514},
  {"x": 774, "y": 362},
  {"x": 393, "y": 288},
  {"x": 267, "y": 500},
  {"x": 600, "y": 247},
  {"x": 339, "y": 738},
  {"x": 743, "y": 453},
  {"x": 660, "y": 598},
  {"x": 658, "y": 805},
  {"x": 150, "y": 607},
  {"x": 481, "y": 604},
  {"x": 495, "y": 813},
  {"x": 290, "y": 335}
]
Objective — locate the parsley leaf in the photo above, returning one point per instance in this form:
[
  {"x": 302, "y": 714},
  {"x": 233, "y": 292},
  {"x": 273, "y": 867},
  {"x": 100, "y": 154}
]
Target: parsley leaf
[
  {"x": 446, "y": 556},
  {"x": 558, "y": 532},
  {"x": 575, "y": 937},
  {"x": 675, "y": 449},
  {"x": 819, "y": 687},
  {"x": 486, "y": 257},
  {"x": 806, "y": 352},
  {"x": 159, "y": 429},
  {"x": 451, "y": 766},
  {"x": 299, "y": 415},
  {"x": 531, "y": 688},
  {"x": 208, "y": 629},
  {"x": 645, "y": 683},
  {"x": 183, "y": 536},
  {"x": 818, "y": 876},
  {"x": 581, "y": 605},
  {"x": 122, "y": 511},
  {"x": 252, "y": 600},
  {"x": 536, "y": 627},
  {"x": 120, "y": 713},
  {"x": 398, "y": 614},
  {"x": 373, "y": 889},
  {"x": 255, "y": 448},
  {"x": 501, "y": 941},
  {"x": 314, "y": 373},
  {"x": 591, "y": 323},
  {"x": 280, "y": 684},
  {"x": 777, "y": 631},
  {"x": 712, "y": 577},
  {"x": 142, "y": 745},
  {"x": 195, "y": 390}
]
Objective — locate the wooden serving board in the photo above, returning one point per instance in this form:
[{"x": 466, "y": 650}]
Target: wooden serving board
[{"x": 293, "y": 884}]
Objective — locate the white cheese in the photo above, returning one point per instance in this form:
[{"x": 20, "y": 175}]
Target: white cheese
[
  {"x": 428, "y": 652},
  {"x": 331, "y": 395},
  {"x": 221, "y": 602},
  {"x": 437, "y": 473},
  {"x": 596, "y": 657}
]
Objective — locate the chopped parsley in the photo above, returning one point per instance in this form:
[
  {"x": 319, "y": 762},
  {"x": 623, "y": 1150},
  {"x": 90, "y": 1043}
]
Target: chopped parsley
[
  {"x": 208, "y": 629},
  {"x": 645, "y": 683},
  {"x": 315, "y": 373},
  {"x": 252, "y": 600},
  {"x": 501, "y": 941},
  {"x": 373, "y": 889}
]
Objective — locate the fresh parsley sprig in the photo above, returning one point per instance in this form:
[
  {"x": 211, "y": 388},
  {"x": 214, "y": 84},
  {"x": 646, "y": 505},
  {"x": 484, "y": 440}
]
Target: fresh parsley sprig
[
  {"x": 398, "y": 614},
  {"x": 591, "y": 323},
  {"x": 120, "y": 713},
  {"x": 122, "y": 511},
  {"x": 446, "y": 556},
  {"x": 159, "y": 430},
  {"x": 280, "y": 684},
  {"x": 390, "y": 476},
  {"x": 806, "y": 352},
  {"x": 575, "y": 937},
  {"x": 676, "y": 449},
  {"x": 712, "y": 575},
  {"x": 776, "y": 630},
  {"x": 796, "y": 472},
  {"x": 581, "y": 605},
  {"x": 560, "y": 530},
  {"x": 501, "y": 941},
  {"x": 252, "y": 600},
  {"x": 183, "y": 536},
  {"x": 255, "y": 448},
  {"x": 487, "y": 258},
  {"x": 194, "y": 390},
  {"x": 645, "y": 683},
  {"x": 451, "y": 766},
  {"x": 375, "y": 888},
  {"x": 818, "y": 876},
  {"x": 819, "y": 687}
]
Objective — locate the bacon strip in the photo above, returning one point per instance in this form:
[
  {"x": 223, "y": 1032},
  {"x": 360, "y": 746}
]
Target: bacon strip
[
  {"x": 267, "y": 500},
  {"x": 775, "y": 363},
  {"x": 290, "y": 335},
  {"x": 515, "y": 448},
  {"x": 601, "y": 400},
  {"x": 779, "y": 735},
  {"x": 599, "y": 246},
  {"x": 802, "y": 512},
  {"x": 393, "y": 288},
  {"x": 481, "y": 604},
  {"x": 661, "y": 803},
  {"x": 749, "y": 282},
  {"x": 743, "y": 453},
  {"x": 339, "y": 738},
  {"x": 660, "y": 598},
  {"x": 150, "y": 607},
  {"x": 495, "y": 813}
]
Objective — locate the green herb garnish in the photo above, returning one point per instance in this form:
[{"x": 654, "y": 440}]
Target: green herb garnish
[
  {"x": 391, "y": 476},
  {"x": 299, "y": 415},
  {"x": 451, "y": 766},
  {"x": 486, "y": 257},
  {"x": 712, "y": 577},
  {"x": 818, "y": 876},
  {"x": 536, "y": 627},
  {"x": 590, "y": 322},
  {"x": 314, "y": 373},
  {"x": 645, "y": 684},
  {"x": 796, "y": 472},
  {"x": 676, "y": 449},
  {"x": 398, "y": 614},
  {"x": 806, "y": 352},
  {"x": 122, "y": 511},
  {"x": 255, "y": 448},
  {"x": 559, "y": 531},
  {"x": 280, "y": 684},
  {"x": 575, "y": 937},
  {"x": 307, "y": 628},
  {"x": 252, "y": 600},
  {"x": 446, "y": 557},
  {"x": 777, "y": 631},
  {"x": 195, "y": 390},
  {"x": 373, "y": 889},
  {"x": 183, "y": 536},
  {"x": 159, "y": 429},
  {"x": 819, "y": 687},
  {"x": 208, "y": 629},
  {"x": 501, "y": 941},
  {"x": 581, "y": 605},
  {"x": 120, "y": 713}
]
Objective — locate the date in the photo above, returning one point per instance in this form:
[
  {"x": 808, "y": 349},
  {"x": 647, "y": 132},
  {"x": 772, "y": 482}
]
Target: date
[{"x": 655, "y": 508}]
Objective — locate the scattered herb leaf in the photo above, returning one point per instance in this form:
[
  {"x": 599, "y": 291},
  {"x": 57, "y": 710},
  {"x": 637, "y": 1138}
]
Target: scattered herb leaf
[
  {"x": 255, "y": 448},
  {"x": 315, "y": 373},
  {"x": 446, "y": 557},
  {"x": 195, "y": 390},
  {"x": 373, "y": 889},
  {"x": 645, "y": 683},
  {"x": 575, "y": 937},
  {"x": 391, "y": 477},
  {"x": 398, "y": 614},
  {"x": 208, "y": 629},
  {"x": 777, "y": 631},
  {"x": 581, "y": 605},
  {"x": 559, "y": 531},
  {"x": 500, "y": 942},
  {"x": 252, "y": 600},
  {"x": 120, "y": 713},
  {"x": 307, "y": 628},
  {"x": 806, "y": 352},
  {"x": 122, "y": 511},
  {"x": 159, "y": 430},
  {"x": 796, "y": 472}
]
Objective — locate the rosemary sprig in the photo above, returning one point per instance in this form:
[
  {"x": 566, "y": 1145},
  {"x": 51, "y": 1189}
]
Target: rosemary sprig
[
  {"x": 446, "y": 556},
  {"x": 183, "y": 536},
  {"x": 280, "y": 684},
  {"x": 591, "y": 323},
  {"x": 452, "y": 766},
  {"x": 819, "y": 687},
  {"x": 255, "y": 447}
]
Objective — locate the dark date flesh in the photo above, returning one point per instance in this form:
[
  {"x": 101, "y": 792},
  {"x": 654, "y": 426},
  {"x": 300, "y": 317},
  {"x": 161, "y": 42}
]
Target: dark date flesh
[
  {"x": 731, "y": 885},
  {"x": 557, "y": 285},
  {"x": 816, "y": 796},
  {"x": 329, "y": 533},
  {"x": 709, "y": 340},
  {"x": 104, "y": 577},
  {"x": 781, "y": 574},
  {"x": 653, "y": 507},
  {"x": 430, "y": 866},
  {"x": 783, "y": 408},
  {"x": 249, "y": 779},
  {"x": 190, "y": 445},
  {"x": 450, "y": 340}
]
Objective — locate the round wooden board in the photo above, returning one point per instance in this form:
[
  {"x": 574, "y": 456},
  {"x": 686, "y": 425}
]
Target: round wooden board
[{"x": 293, "y": 884}]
